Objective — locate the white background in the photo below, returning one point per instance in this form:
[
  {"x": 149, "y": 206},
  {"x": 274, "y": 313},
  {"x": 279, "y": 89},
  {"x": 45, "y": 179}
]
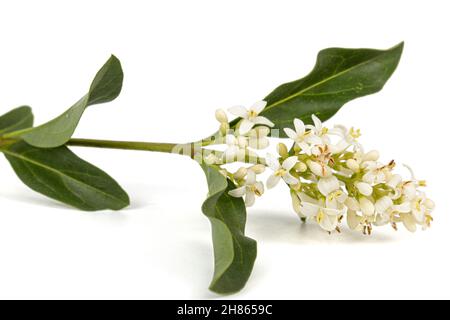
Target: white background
[{"x": 182, "y": 60}]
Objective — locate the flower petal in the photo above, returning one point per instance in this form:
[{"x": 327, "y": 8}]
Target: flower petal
[
  {"x": 259, "y": 187},
  {"x": 259, "y": 106},
  {"x": 317, "y": 122},
  {"x": 245, "y": 126},
  {"x": 383, "y": 204},
  {"x": 291, "y": 133},
  {"x": 309, "y": 209},
  {"x": 249, "y": 199},
  {"x": 327, "y": 222},
  {"x": 328, "y": 185},
  {"x": 289, "y": 163},
  {"x": 263, "y": 121},
  {"x": 251, "y": 177},
  {"x": 353, "y": 220},
  {"x": 239, "y": 111},
  {"x": 299, "y": 126},
  {"x": 272, "y": 181},
  {"x": 289, "y": 179},
  {"x": 367, "y": 207},
  {"x": 409, "y": 222},
  {"x": 272, "y": 162},
  {"x": 238, "y": 192}
]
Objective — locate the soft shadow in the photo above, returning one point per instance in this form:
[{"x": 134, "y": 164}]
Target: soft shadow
[
  {"x": 141, "y": 196},
  {"x": 26, "y": 197},
  {"x": 281, "y": 227}
]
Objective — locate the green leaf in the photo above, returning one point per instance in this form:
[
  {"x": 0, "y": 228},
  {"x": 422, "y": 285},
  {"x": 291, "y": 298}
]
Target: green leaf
[
  {"x": 105, "y": 87},
  {"x": 234, "y": 253},
  {"x": 340, "y": 75},
  {"x": 16, "y": 119},
  {"x": 61, "y": 175}
]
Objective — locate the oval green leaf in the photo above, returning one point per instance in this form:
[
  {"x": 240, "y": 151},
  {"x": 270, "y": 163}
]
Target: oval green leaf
[
  {"x": 61, "y": 175},
  {"x": 234, "y": 253},
  {"x": 340, "y": 75},
  {"x": 16, "y": 119},
  {"x": 105, "y": 87}
]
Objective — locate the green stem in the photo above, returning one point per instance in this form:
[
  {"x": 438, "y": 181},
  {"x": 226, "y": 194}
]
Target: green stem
[
  {"x": 133, "y": 145},
  {"x": 188, "y": 149}
]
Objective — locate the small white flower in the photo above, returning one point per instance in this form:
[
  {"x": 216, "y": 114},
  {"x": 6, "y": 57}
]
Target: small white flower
[
  {"x": 327, "y": 218},
  {"x": 250, "y": 189},
  {"x": 250, "y": 117},
  {"x": 319, "y": 130},
  {"x": 349, "y": 138},
  {"x": 306, "y": 140},
  {"x": 421, "y": 208},
  {"x": 281, "y": 171},
  {"x": 235, "y": 146}
]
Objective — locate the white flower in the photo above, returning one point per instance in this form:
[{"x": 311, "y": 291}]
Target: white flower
[
  {"x": 421, "y": 208},
  {"x": 281, "y": 171},
  {"x": 326, "y": 217},
  {"x": 304, "y": 139},
  {"x": 250, "y": 117},
  {"x": 319, "y": 130},
  {"x": 349, "y": 138},
  {"x": 250, "y": 189},
  {"x": 235, "y": 146}
]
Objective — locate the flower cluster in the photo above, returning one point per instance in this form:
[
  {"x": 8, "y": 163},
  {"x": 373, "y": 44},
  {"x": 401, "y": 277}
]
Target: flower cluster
[{"x": 330, "y": 176}]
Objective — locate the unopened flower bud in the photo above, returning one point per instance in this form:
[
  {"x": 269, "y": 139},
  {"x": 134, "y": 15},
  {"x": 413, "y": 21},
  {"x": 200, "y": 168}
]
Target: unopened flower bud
[
  {"x": 240, "y": 174},
  {"x": 301, "y": 167},
  {"x": 353, "y": 165},
  {"x": 221, "y": 116},
  {"x": 258, "y": 168},
  {"x": 296, "y": 203},
  {"x": 373, "y": 155},
  {"x": 282, "y": 150},
  {"x": 364, "y": 188}
]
